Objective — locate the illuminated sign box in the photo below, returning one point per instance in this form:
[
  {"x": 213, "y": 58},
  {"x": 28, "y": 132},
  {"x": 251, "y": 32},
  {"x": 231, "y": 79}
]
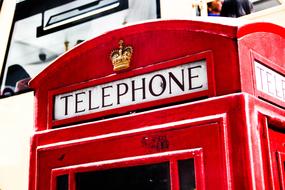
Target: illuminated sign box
[
  {"x": 182, "y": 79},
  {"x": 171, "y": 82},
  {"x": 269, "y": 82}
]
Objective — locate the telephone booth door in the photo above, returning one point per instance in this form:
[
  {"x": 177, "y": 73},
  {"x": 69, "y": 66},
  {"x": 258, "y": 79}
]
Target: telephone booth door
[{"x": 171, "y": 156}]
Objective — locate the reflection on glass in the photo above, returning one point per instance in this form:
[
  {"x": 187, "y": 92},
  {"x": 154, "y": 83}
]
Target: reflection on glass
[
  {"x": 146, "y": 177},
  {"x": 52, "y": 27},
  {"x": 62, "y": 182},
  {"x": 83, "y": 11},
  {"x": 17, "y": 80},
  {"x": 186, "y": 174},
  {"x": 259, "y": 5}
]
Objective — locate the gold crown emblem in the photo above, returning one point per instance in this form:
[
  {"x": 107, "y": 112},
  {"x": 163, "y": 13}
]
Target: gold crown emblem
[{"x": 121, "y": 58}]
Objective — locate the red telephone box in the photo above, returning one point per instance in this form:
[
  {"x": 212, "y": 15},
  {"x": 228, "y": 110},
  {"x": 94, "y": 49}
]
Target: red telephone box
[{"x": 164, "y": 105}]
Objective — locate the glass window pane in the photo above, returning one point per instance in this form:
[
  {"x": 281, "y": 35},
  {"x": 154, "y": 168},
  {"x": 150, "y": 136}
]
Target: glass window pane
[
  {"x": 43, "y": 30},
  {"x": 259, "y": 5},
  {"x": 146, "y": 177},
  {"x": 186, "y": 174},
  {"x": 283, "y": 173},
  {"x": 62, "y": 182}
]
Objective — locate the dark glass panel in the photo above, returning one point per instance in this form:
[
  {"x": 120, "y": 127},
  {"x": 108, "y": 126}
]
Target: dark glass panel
[
  {"x": 62, "y": 182},
  {"x": 146, "y": 177},
  {"x": 186, "y": 174}
]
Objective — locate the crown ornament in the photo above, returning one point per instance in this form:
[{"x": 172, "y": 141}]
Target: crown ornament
[{"x": 121, "y": 58}]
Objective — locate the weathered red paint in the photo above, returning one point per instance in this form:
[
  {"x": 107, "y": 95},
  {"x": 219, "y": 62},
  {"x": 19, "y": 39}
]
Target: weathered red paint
[{"x": 234, "y": 132}]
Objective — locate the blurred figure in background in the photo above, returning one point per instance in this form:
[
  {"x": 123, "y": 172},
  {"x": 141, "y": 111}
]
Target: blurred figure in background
[
  {"x": 236, "y": 8},
  {"x": 214, "y": 8}
]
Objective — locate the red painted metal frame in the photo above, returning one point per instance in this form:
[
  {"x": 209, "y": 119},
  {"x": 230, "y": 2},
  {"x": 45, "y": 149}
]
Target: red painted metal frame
[
  {"x": 171, "y": 157},
  {"x": 249, "y": 171},
  {"x": 260, "y": 27},
  {"x": 269, "y": 137},
  {"x": 265, "y": 146},
  {"x": 281, "y": 162},
  {"x": 275, "y": 144},
  {"x": 62, "y": 146},
  {"x": 207, "y": 56}
]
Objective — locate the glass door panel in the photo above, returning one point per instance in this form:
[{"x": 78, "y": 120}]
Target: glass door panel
[{"x": 145, "y": 177}]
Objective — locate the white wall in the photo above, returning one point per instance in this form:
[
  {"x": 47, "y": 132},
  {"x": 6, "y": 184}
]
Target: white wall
[
  {"x": 181, "y": 9},
  {"x": 274, "y": 15},
  {"x": 16, "y": 121},
  {"x": 16, "y": 128}
]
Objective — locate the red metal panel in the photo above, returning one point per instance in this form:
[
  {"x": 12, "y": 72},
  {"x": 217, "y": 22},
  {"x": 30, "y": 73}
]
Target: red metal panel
[
  {"x": 261, "y": 27},
  {"x": 267, "y": 123},
  {"x": 223, "y": 167},
  {"x": 242, "y": 155},
  {"x": 120, "y": 148},
  {"x": 281, "y": 168},
  {"x": 241, "y": 150},
  {"x": 277, "y": 141},
  {"x": 172, "y": 157}
]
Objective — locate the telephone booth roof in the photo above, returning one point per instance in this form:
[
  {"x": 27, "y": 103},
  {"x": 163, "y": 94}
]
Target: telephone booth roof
[
  {"x": 160, "y": 45},
  {"x": 132, "y": 33},
  {"x": 154, "y": 40}
]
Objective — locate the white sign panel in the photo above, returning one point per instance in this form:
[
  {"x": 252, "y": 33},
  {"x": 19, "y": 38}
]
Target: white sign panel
[
  {"x": 175, "y": 81},
  {"x": 270, "y": 82}
]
